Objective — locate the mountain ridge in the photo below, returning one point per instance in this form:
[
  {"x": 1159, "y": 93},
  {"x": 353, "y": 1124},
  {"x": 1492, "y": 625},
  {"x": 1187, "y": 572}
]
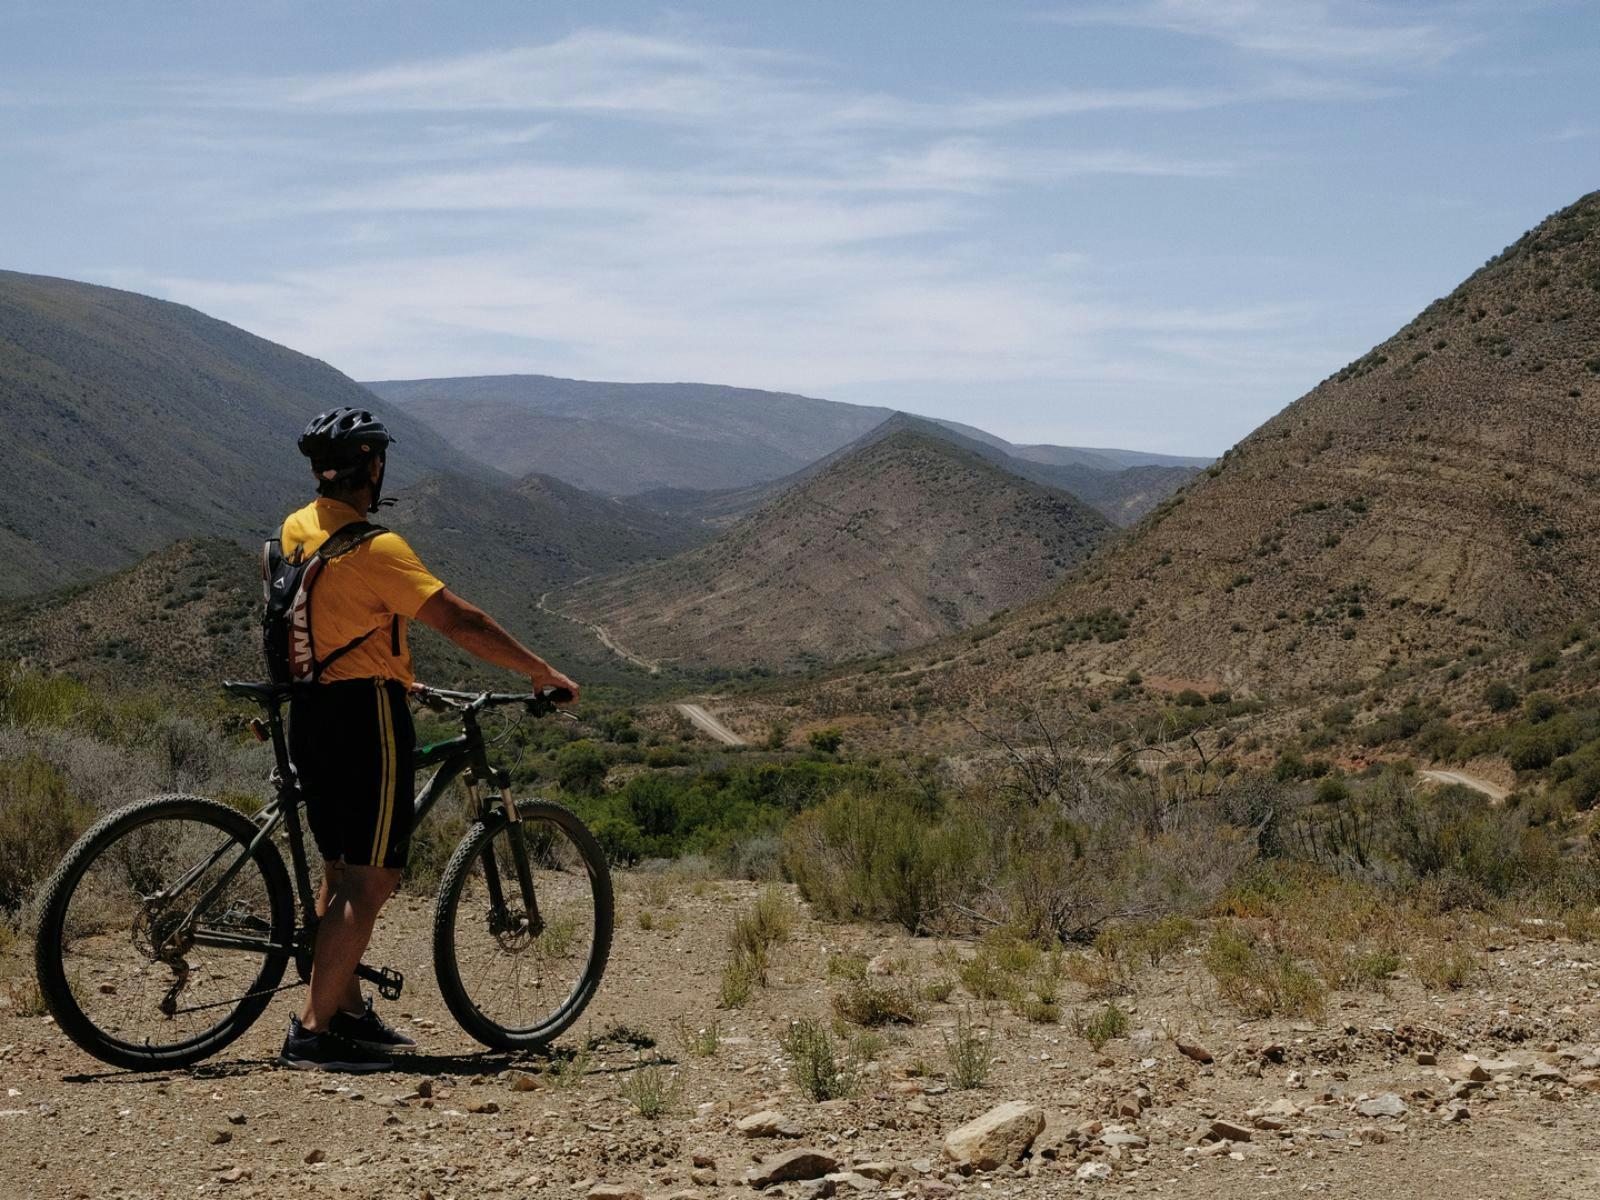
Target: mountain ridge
[
  {"x": 909, "y": 537},
  {"x": 1434, "y": 498}
]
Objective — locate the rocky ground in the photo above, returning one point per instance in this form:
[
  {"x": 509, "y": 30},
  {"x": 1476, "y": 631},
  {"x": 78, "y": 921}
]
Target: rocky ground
[{"x": 1492, "y": 1091}]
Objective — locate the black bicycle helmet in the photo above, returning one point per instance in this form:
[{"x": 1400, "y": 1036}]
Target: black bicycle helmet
[{"x": 340, "y": 443}]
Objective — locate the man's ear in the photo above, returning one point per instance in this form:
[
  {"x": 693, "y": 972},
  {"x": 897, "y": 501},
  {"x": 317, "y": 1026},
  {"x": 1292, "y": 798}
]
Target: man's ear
[{"x": 375, "y": 469}]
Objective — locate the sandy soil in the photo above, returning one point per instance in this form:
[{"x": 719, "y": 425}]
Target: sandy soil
[{"x": 241, "y": 1126}]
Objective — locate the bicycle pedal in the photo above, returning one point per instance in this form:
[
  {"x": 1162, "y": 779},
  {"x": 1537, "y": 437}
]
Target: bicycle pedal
[{"x": 387, "y": 980}]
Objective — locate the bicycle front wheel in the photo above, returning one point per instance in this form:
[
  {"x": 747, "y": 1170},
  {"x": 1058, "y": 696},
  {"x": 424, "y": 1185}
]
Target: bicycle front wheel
[
  {"x": 149, "y": 953},
  {"x": 516, "y": 966}
]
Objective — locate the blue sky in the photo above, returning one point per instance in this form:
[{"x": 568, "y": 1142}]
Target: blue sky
[{"x": 1143, "y": 223}]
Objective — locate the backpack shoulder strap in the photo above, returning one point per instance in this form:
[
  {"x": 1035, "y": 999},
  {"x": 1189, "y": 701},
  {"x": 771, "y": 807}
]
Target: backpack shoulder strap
[{"x": 347, "y": 537}]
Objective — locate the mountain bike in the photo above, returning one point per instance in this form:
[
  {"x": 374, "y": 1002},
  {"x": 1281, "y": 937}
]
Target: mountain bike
[{"x": 169, "y": 925}]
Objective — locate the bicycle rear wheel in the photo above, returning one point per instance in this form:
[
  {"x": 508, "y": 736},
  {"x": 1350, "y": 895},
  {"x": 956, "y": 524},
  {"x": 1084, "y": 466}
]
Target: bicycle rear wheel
[
  {"x": 130, "y": 962},
  {"x": 517, "y": 975}
]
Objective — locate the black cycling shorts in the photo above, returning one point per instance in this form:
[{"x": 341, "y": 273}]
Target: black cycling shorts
[{"x": 352, "y": 744}]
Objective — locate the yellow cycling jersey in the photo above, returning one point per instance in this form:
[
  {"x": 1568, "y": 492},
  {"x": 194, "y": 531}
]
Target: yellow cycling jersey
[{"x": 375, "y": 588}]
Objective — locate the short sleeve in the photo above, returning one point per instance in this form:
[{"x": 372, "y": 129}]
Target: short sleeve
[{"x": 397, "y": 575}]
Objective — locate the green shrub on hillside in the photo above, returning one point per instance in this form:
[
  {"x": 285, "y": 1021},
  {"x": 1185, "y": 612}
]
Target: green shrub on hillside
[{"x": 39, "y": 819}]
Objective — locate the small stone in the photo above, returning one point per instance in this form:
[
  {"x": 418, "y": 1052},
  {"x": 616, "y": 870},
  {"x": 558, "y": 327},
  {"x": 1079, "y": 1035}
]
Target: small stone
[
  {"x": 796, "y": 1164},
  {"x": 1502, "y": 1066},
  {"x": 704, "y": 1176},
  {"x": 1469, "y": 1072},
  {"x": 1585, "y": 1082},
  {"x": 880, "y": 1171},
  {"x": 1124, "y": 1141},
  {"x": 701, "y": 1158},
  {"x": 998, "y": 1138},
  {"x": 1127, "y": 1107},
  {"x": 1197, "y": 1052},
  {"x": 613, "y": 1191},
  {"x": 234, "y": 1175},
  {"x": 522, "y": 1081},
  {"x": 1229, "y": 1132},
  {"x": 1454, "y": 1113},
  {"x": 483, "y": 1106},
  {"x": 1092, "y": 1172},
  {"x": 1386, "y": 1105},
  {"x": 425, "y": 1089},
  {"x": 315, "y": 1156},
  {"x": 767, "y": 1123},
  {"x": 1371, "y": 1135},
  {"x": 236, "y": 1118},
  {"x": 1427, "y": 1058},
  {"x": 218, "y": 1137},
  {"x": 851, "y": 1181}
]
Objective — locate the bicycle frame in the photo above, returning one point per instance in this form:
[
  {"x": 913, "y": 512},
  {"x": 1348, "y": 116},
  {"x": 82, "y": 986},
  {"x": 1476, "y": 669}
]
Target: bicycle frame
[{"x": 463, "y": 756}]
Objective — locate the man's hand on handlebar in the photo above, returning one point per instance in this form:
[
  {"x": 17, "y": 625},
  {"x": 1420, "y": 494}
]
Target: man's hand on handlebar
[{"x": 552, "y": 678}]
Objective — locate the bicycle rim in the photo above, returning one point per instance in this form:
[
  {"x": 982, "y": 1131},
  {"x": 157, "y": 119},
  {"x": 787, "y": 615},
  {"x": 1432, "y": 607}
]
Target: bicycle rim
[
  {"x": 509, "y": 981},
  {"x": 122, "y": 954}
]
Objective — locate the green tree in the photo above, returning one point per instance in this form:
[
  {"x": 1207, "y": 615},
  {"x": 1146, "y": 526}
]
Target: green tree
[{"x": 581, "y": 767}]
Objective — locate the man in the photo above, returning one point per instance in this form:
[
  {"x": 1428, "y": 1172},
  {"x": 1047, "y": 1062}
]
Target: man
[{"x": 350, "y": 733}]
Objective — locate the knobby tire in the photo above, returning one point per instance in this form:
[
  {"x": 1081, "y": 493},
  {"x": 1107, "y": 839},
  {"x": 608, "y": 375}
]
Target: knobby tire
[
  {"x": 508, "y": 989},
  {"x": 94, "y": 955}
]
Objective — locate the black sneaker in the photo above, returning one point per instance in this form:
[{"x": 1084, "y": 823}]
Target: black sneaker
[
  {"x": 327, "y": 1051},
  {"x": 367, "y": 1030}
]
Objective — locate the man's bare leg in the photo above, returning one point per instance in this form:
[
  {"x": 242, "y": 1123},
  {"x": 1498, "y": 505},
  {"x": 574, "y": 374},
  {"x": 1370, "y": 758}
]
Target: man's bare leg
[{"x": 348, "y": 901}]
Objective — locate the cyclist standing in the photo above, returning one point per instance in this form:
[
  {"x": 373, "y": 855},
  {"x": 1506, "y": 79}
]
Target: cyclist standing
[{"x": 350, "y": 731}]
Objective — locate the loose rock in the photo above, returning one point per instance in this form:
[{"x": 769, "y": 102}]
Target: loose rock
[
  {"x": 1197, "y": 1052},
  {"x": 1386, "y": 1105},
  {"x": 796, "y": 1164},
  {"x": 999, "y": 1137},
  {"x": 768, "y": 1124}
]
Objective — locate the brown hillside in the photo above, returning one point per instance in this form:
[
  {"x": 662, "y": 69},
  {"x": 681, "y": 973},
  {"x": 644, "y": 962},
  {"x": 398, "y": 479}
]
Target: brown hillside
[
  {"x": 131, "y": 423},
  {"x": 907, "y": 539},
  {"x": 1436, "y": 494}
]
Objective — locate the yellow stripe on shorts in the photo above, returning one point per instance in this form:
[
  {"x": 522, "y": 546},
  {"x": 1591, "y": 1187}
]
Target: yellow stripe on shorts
[{"x": 386, "y": 785}]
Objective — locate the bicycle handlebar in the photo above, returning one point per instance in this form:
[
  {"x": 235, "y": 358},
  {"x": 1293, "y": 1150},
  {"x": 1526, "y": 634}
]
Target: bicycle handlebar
[{"x": 441, "y": 699}]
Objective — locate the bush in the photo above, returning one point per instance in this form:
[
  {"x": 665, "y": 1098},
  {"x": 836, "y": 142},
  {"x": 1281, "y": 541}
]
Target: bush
[
  {"x": 864, "y": 856},
  {"x": 1540, "y": 707},
  {"x": 652, "y": 1090},
  {"x": 39, "y": 820},
  {"x": 871, "y": 1004},
  {"x": 1500, "y": 696},
  {"x": 826, "y": 741},
  {"x": 969, "y": 1053},
  {"x": 1260, "y": 981},
  {"x": 1107, "y": 1025},
  {"x": 816, "y": 1064},
  {"x": 581, "y": 768}
]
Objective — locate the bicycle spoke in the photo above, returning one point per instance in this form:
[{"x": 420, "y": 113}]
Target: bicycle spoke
[
  {"x": 524, "y": 971},
  {"x": 128, "y": 954}
]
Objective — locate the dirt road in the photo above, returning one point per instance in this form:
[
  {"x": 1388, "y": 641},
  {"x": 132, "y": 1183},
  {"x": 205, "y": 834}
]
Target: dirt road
[
  {"x": 709, "y": 724},
  {"x": 1492, "y": 790},
  {"x": 600, "y": 632}
]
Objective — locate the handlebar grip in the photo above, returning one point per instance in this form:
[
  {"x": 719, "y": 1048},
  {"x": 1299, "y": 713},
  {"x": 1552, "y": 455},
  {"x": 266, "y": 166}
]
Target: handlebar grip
[{"x": 555, "y": 695}]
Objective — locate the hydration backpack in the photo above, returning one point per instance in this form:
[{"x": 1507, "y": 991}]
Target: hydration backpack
[{"x": 287, "y": 585}]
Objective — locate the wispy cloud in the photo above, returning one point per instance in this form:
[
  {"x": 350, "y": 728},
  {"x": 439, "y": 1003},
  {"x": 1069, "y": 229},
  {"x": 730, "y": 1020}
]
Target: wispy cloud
[
  {"x": 610, "y": 205},
  {"x": 1574, "y": 132},
  {"x": 1305, "y": 31}
]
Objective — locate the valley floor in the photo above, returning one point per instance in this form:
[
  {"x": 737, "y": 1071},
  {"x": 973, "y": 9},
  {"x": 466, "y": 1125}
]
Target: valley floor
[{"x": 241, "y": 1126}]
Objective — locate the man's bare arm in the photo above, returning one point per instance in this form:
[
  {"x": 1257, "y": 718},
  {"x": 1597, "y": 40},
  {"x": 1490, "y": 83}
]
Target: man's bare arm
[{"x": 479, "y": 634}]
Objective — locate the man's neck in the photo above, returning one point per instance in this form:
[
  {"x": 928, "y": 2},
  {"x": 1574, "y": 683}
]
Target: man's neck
[{"x": 359, "y": 503}]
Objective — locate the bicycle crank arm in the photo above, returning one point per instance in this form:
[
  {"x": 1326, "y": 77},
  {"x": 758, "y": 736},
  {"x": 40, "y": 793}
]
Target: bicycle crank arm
[{"x": 387, "y": 980}]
